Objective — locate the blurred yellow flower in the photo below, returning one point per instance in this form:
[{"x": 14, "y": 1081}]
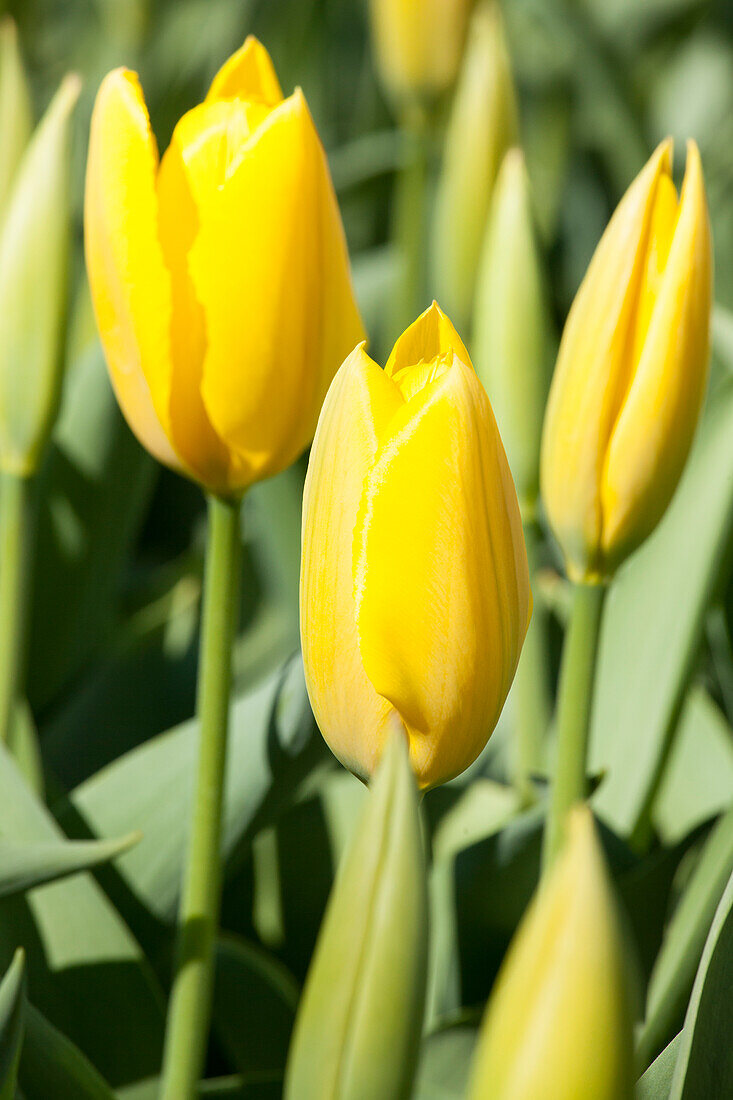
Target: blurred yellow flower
[
  {"x": 558, "y": 1025},
  {"x": 220, "y": 277},
  {"x": 419, "y": 44},
  {"x": 631, "y": 371},
  {"x": 415, "y": 593}
]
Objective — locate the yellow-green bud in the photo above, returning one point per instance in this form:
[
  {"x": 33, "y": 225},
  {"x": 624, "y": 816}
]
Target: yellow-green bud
[{"x": 16, "y": 115}]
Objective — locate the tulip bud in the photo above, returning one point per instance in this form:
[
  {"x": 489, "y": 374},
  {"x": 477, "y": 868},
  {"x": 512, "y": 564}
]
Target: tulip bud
[
  {"x": 418, "y": 44},
  {"x": 16, "y": 114},
  {"x": 220, "y": 277},
  {"x": 34, "y": 255},
  {"x": 631, "y": 371},
  {"x": 510, "y": 325},
  {"x": 414, "y": 588},
  {"x": 359, "y": 1022},
  {"x": 558, "y": 1024},
  {"x": 483, "y": 124}
]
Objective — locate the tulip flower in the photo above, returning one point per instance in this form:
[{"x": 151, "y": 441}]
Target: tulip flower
[
  {"x": 415, "y": 593},
  {"x": 558, "y": 1025},
  {"x": 631, "y": 371},
  {"x": 419, "y": 44},
  {"x": 219, "y": 276}
]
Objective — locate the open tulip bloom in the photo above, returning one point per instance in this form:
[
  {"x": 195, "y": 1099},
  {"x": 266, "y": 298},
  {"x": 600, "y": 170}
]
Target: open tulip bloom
[{"x": 415, "y": 593}]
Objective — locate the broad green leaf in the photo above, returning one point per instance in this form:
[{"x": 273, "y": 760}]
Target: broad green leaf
[
  {"x": 704, "y": 1066},
  {"x": 271, "y": 747},
  {"x": 653, "y": 622},
  {"x": 85, "y": 970},
  {"x": 657, "y": 1081},
  {"x": 697, "y": 782},
  {"x": 51, "y": 1066},
  {"x": 23, "y": 744},
  {"x": 359, "y": 1020},
  {"x": 12, "y": 1023},
  {"x": 254, "y": 1008},
  {"x": 23, "y": 866},
  {"x": 445, "y": 1059},
  {"x": 674, "y": 970}
]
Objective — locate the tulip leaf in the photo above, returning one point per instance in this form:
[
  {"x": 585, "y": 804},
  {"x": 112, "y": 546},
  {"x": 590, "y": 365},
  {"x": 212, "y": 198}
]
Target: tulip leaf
[
  {"x": 23, "y": 744},
  {"x": 271, "y": 747},
  {"x": 653, "y": 623},
  {"x": 360, "y": 1017},
  {"x": 704, "y": 1066},
  {"x": 12, "y": 1014},
  {"x": 23, "y": 866},
  {"x": 674, "y": 969},
  {"x": 85, "y": 969},
  {"x": 445, "y": 1061},
  {"x": 50, "y": 1065},
  {"x": 657, "y": 1081}
]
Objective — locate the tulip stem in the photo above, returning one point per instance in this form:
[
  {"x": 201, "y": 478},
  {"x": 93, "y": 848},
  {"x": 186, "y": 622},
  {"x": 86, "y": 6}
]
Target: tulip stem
[
  {"x": 532, "y": 689},
  {"x": 16, "y": 534},
  {"x": 409, "y": 231},
  {"x": 189, "y": 1010},
  {"x": 575, "y": 695}
]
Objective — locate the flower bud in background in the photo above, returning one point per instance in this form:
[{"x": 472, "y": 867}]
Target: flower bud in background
[
  {"x": 220, "y": 277},
  {"x": 359, "y": 1022},
  {"x": 418, "y": 44},
  {"x": 16, "y": 113},
  {"x": 511, "y": 335},
  {"x": 414, "y": 587},
  {"x": 558, "y": 1024},
  {"x": 483, "y": 124},
  {"x": 631, "y": 371},
  {"x": 34, "y": 259}
]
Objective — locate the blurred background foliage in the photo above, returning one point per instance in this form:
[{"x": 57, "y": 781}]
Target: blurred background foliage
[{"x": 118, "y": 576}]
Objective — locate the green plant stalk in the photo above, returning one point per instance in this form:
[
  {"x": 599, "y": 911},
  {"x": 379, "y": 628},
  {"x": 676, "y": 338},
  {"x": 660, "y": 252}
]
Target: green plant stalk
[
  {"x": 575, "y": 696},
  {"x": 409, "y": 228},
  {"x": 532, "y": 690},
  {"x": 189, "y": 1010},
  {"x": 16, "y": 542}
]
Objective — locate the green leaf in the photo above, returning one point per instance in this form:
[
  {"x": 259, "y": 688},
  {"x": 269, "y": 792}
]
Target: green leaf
[
  {"x": 23, "y": 744},
  {"x": 23, "y": 866},
  {"x": 359, "y": 1021},
  {"x": 86, "y": 971},
  {"x": 657, "y": 1081},
  {"x": 445, "y": 1061},
  {"x": 653, "y": 622},
  {"x": 271, "y": 747},
  {"x": 674, "y": 970},
  {"x": 51, "y": 1066},
  {"x": 12, "y": 990},
  {"x": 697, "y": 783},
  {"x": 704, "y": 1066}
]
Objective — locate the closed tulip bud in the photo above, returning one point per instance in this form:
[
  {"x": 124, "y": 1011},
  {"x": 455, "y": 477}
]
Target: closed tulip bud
[
  {"x": 510, "y": 325},
  {"x": 482, "y": 126},
  {"x": 415, "y": 593},
  {"x": 631, "y": 371},
  {"x": 34, "y": 254},
  {"x": 359, "y": 1021},
  {"x": 418, "y": 44},
  {"x": 219, "y": 276},
  {"x": 16, "y": 115},
  {"x": 558, "y": 1024}
]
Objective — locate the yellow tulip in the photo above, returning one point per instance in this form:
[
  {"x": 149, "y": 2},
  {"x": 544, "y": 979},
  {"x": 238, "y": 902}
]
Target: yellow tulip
[
  {"x": 419, "y": 44},
  {"x": 558, "y": 1025},
  {"x": 631, "y": 371},
  {"x": 220, "y": 276},
  {"x": 415, "y": 593}
]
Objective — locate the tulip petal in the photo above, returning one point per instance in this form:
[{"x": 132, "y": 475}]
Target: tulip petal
[
  {"x": 431, "y": 335},
  {"x": 128, "y": 278},
  {"x": 653, "y": 434},
  {"x": 593, "y": 371},
  {"x": 247, "y": 74},
  {"x": 271, "y": 271},
  {"x": 350, "y": 714},
  {"x": 440, "y": 573}
]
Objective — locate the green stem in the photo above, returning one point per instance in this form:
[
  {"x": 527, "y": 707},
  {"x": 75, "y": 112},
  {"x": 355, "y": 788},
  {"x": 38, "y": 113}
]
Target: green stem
[
  {"x": 532, "y": 689},
  {"x": 16, "y": 537},
  {"x": 190, "y": 1004},
  {"x": 410, "y": 218},
  {"x": 575, "y": 696}
]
